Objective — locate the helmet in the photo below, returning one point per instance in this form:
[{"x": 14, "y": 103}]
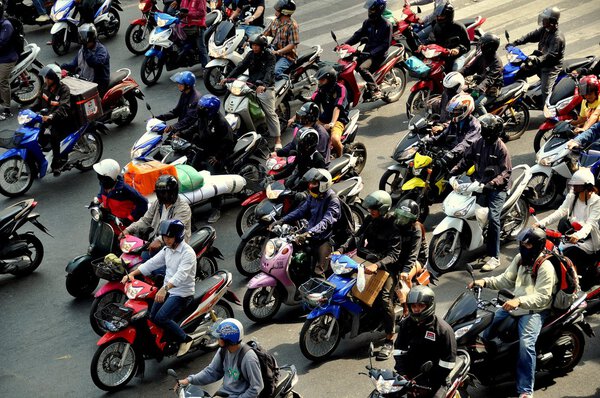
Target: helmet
[
  {"x": 167, "y": 189},
  {"x": 209, "y": 105},
  {"x": 230, "y": 331},
  {"x": 421, "y": 295},
  {"x": 583, "y": 176},
  {"x": 172, "y": 229},
  {"x": 446, "y": 14},
  {"x": 550, "y": 15},
  {"x": 588, "y": 84},
  {"x": 285, "y": 7},
  {"x": 108, "y": 170},
  {"x": 308, "y": 140},
  {"x": 259, "y": 40},
  {"x": 489, "y": 43},
  {"x": 454, "y": 81},
  {"x": 460, "y": 106},
  {"x": 329, "y": 73},
  {"x": 537, "y": 238},
  {"x": 322, "y": 176},
  {"x": 52, "y": 72},
  {"x": 406, "y": 211},
  {"x": 375, "y": 7},
  {"x": 378, "y": 200},
  {"x": 186, "y": 78},
  {"x": 87, "y": 33},
  {"x": 491, "y": 127},
  {"x": 308, "y": 113}
]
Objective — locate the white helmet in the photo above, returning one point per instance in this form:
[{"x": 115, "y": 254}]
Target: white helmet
[
  {"x": 109, "y": 168},
  {"x": 583, "y": 176},
  {"x": 460, "y": 106},
  {"x": 454, "y": 80}
]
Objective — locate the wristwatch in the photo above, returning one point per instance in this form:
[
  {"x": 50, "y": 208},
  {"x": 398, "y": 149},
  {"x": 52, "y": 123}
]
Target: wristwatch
[{"x": 166, "y": 287}]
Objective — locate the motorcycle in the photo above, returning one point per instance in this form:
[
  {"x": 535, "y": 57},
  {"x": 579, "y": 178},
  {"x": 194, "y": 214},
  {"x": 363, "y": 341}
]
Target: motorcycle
[
  {"x": 119, "y": 103},
  {"x": 25, "y": 159},
  {"x": 64, "y": 30},
  {"x": 138, "y": 31},
  {"x": 27, "y": 13},
  {"x": 390, "y": 76},
  {"x": 465, "y": 225},
  {"x": 20, "y": 254},
  {"x": 25, "y": 81},
  {"x": 430, "y": 77},
  {"x": 133, "y": 338}
]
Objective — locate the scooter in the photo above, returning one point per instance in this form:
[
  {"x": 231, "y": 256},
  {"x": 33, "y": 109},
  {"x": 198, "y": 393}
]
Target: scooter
[
  {"x": 64, "y": 30},
  {"x": 120, "y": 100},
  {"x": 133, "y": 338},
  {"x": 465, "y": 225},
  {"x": 138, "y": 31},
  {"x": 27, "y": 13},
  {"x": 25, "y": 81},
  {"x": 20, "y": 254},
  {"x": 25, "y": 159}
]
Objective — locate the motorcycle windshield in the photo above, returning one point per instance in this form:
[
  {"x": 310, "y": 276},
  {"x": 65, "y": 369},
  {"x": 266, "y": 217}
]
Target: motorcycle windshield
[
  {"x": 101, "y": 237},
  {"x": 563, "y": 89},
  {"x": 224, "y": 31},
  {"x": 463, "y": 309},
  {"x": 554, "y": 142}
]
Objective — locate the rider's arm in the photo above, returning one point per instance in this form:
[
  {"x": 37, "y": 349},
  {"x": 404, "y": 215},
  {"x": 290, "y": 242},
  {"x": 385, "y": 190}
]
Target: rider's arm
[
  {"x": 71, "y": 66},
  {"x": 62, "y": 111},
  {"x": 561, "y": 212},
  {"x": 383, "y": 40},
  {"x": 544, "y": 285},
  {"x": 331, "y": 216},
  {"x": 359, "y": 34},
  {"x": 153, "y": 263},
  {"x": 188, "y": 115},
  {"x": 465, "y": 43},
  {"x": 591, "y": 222},
  {"x": 241, "y": 67},
  {"x": 96, "y": 58},
  {"x": 505, "y": 280},
  {"x": 297, "y": 214},
  {"x": 401, "y": 347},
  {"x": 140, "y": 203},
  {"x": 592, "y": 119},
  {"x": 589, "y": 136},
  {"x": 472, "y": 135},
  {"x": 6, "y": 31},
  {"x": 293, "y": 39},
  {"x": 447, "y": 351},
  {"x": 144, "y": 222},
  {"x": 251, "y": 372},
  {"x": 530, "y": 37},
  {"x": 465, "y": 162},
  {"x": 187, "y": 265},
  {"x": 213, "y": 372},
  {"x": 503, "y": 176},
  {"x": 269, "y": 76},
  {"x": 554, "y": 53},
  {"x": 407, "y": 251},
  {"x": 183, "y": 212}
]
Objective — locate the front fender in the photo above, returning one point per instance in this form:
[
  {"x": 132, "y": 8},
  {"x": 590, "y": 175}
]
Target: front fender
[
  {"x": 421, "y": 85},
  {"x": 536, "y": 168},
  {"x": 139, "y": 22},
  {"x": 78, "y": 263},
  {"x": 413, "y": 183},
  {"x": 397, "y": 167},
  {"x": 547, "y": 125},
  {"x": 256, "y": 197},
  {"x": 127, "y": 334},
  {"x": 262, "y": 280},
  {"x": 334, "y": 310},
  {"x": 217, "y": 62},
  {"x": 109, "y": 287},
  {"x": 253, "y": 230},
  {"x": 447, "y": 224},
  {"x": 13, "y": 153},
  {"x": 58, "y": 26},
  {"x": 155, "y": 52}
]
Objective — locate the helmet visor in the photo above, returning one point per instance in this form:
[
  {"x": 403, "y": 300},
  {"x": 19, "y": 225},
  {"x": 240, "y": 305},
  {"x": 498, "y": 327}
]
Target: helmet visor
[{"x": 404, "y": 217}]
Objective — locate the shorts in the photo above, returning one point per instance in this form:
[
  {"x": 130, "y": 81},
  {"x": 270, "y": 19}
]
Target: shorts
[{"x": 337, "y": 130}]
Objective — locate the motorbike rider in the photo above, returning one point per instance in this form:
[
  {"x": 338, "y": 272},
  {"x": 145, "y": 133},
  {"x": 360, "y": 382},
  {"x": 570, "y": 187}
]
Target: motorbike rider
[
  {"x": 493, "y": 168},
  {"x": 533, "y": 296},
  {"x": 322, "y": 209},
  {"x": 306, "y": 143},
  {"x": 92, "y": 61},
  {"x": 454, "y": 84},
  {"x": 307, "y": 116},
  {"x": 284, "y": 31},
  {"x": 195, "y": 24},
  {"x": 8, "y": 59},
  {"x": 260, "y": 64},
  {"x": 449, "y": 34},
  {"x": 56, "y": 98},
  {"x": 551, "y": 47},
  {"x": 186, "y": 109},
  {"x": 581, "y": 205},
  {"x": 332, "y": 97},
  {"x": 179, "y": 285},
  {"x": 251, "y": 12},
  {"x": 423, "y": 337},
  {"x": 488, "y": 68},
  {"x": 428, "y": 21},
  {"x": 41, "y": 10},
  {"x": 588, "y": 137},
  {"x": 378, "y": 31},
  {"x": 122, "y": 200},
  {"x": 246, "y": 382},
  {"x": 588, "y": 89}
]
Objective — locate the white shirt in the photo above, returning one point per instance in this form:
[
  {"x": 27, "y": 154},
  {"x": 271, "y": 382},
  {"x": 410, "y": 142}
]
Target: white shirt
[{"x": 181, "y": 268}]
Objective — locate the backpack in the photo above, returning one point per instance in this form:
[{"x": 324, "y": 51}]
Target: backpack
[
  {"x": 568, "y": 281},
  {"x": 268, "y": 366},
  {"x": 17, "y": 40},
  {"x": 344, "y": 227}
]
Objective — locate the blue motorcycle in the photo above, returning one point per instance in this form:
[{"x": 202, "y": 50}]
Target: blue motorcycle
[
  {"x": 25, "y": 159},
  {"x": 335, "y": 312}
]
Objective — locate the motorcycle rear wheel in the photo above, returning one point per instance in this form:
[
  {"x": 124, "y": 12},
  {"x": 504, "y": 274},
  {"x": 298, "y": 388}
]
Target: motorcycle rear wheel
[
  {"x": 212, "y": 77},
  {"x": 519, "y": 214},
  {"x": 516, "y": 124},
  {"x": 90, "y": 143},
  {"x": 9, "y": 169},
  {"x": 565, "y": 359},
  {"x": 38, "y": 254},
  {"x": 114, "y": 296},
  {"x": 59, "y": 45},
  {"x": 417, "y": 102},
  {"x": 81, "y": 283},
  {"x": 151, "y": 70},
  {"x": 136, "y": 39},
  {"x": 283, "y": 112},
  {"x": 255, "y": 306},
  {"x": 113, "y": 18},
  {"x": 439, "y": 245},
  {"x": 130, "y": 100},
  {"x": 360, "y": 151},
  {"x": 248, "y": 254},
  {"x": 309, "y": 82},
  {"x": 358, "y": 216},
  {"x": 396, "y": 80},
  {"x": 316, "y": 329},
  {"x": 106, "y": 361},
  {"x": 246, "y": 218},
  {"x": 26, "y": 95},
  {"x": 205, "y": 267}
]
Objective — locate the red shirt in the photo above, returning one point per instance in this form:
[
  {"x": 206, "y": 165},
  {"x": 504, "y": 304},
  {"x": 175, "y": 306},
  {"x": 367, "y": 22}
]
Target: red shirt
[{"x": 196, "y": 12}]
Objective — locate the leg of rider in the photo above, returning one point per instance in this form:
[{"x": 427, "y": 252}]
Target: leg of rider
[
  {"x": 336, "y": 138},
  {"x": 5, "y": 69},
  {"x": 364, "y": 71},
  {"x": 162, "y": 314},
  {"x": 39, "y": 7},
  {"x": 495, "y": 201},
  {"x": 202, "y": 47},
  {"x": 529, "y": 329},
  {"x": 492, "y": 330},
  {"x": 267, "y": 102},
  {"x": 548, "y": 78},
  {"x": 387, "y": 299},
  {"x": 281, "y": 67},
  {"x": 480, "y": 104},
  {"x": 56, "y": 136},
  {"x": 323, "y": 253}
]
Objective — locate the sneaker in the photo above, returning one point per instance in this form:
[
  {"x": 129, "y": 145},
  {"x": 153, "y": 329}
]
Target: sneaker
[
  {"x": 491, "y": 264},
  {"x": 214, "y": 216},
  {"x": 377, "y": 95},
  {"x": 185, "y": 346},
  {"x": 42, "y": 18},
  {"x": 386, "y": 350},
  {"x": 5, "y": 115},
  {"x": 525, "y": 395}
]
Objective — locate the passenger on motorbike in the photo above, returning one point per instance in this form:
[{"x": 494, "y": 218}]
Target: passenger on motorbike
[
  {"x": 92, "y": 62},
  {"x": 378, "y": 31},
  {"x": 582, "y": 205},
  {"x": 534, "y": 296},
  {"x": 251, "y": 12},
  {"x": 193, "y": 13},
  {"x": 185, "y": 111},
  {"x": 56, "y": 98},
  {"x": 332, "y": 97},
  {"x": 307, "y": 116},
  {"x": 260, "y": 64},
  {"x": 245, "y": 382},
  {"x": 284, "y": 31},
  {"x": 428, "y": 21},
  {"x": 120, "y": 199},
  {"x": 488, "y": 68},
  {"x": 178, "y": 290},
  {"x": 424, "y": 337},
  {"x": 551, "y": 46},
  {"x": 454, "y": 84},
  {"x": 308, "y": 157},
  {"x": 449, "y": 34},
  {"x": 8, "y": 59},
  {"x": 322, "y": 210},
  {"x": 588, "y": 89},
  {"x": 493, "y": 168}
]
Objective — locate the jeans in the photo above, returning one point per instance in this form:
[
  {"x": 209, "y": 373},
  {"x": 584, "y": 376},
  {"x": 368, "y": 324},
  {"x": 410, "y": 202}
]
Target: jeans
[
  {"x": 5, "y": 70},
  {"x": 530, "y": 326},
  {"x": 281, "y": 66},
  {"x": 494, "y": 200},
  {"x": 39, "y": 7},
  {"x": 202, "y": 47},
  {"x": 163, "y": 313},
  {"x": 252, "y": 30},
  {"x": 481, "y": 102},
  {"x": 424, "y": 33}
]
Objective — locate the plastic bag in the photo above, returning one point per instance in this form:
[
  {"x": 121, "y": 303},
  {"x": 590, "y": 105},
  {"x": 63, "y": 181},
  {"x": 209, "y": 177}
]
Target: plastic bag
[{"x": 361, "y": 281}]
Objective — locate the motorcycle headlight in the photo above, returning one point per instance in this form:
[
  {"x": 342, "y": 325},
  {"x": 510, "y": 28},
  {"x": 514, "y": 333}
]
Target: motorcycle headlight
[
  {"x": 273, "y": 194},
  {"x": 270, "y": 248},
  {"x": 126, "y": 246},
  {"x": 95, "y": 212},
  {"x": 59, "y": 15},
  {"x": 385, "y": 386},
  {"x": 237, "y": 89},
  {"x": 462, "y": 212},
  {"x": 24, "y": 119},
  {"x": 547, "y": 161},
  {"x": 271, "y": 163},
  {"x": 462, "y": 331},
  {"x": 408, "y": 153},
  {"x": 549, "y": 113},
  {"x": 512, "y": 57},
  {"x": 340, "y": 268},
  {"x": 161, "y": 22}
]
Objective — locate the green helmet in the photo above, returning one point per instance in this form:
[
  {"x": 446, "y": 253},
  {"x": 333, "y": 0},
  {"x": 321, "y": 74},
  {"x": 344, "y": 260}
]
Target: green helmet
[
  {"x": 406, "y": 212},
  {"x": 378, "y": 200}
]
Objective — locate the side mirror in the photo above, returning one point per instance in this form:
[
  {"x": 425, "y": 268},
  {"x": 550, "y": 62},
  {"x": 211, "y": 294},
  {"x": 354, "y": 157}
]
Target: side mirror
[
  {"x": 333, "y": 36},
  {"x": 507, "y": 36},
  {"x": 426, "y": 367},
  {"x": 172, "y": 373},
  {"x": 469, "y": 269},
  {"x": 148, "y": 107},
  {"x": 418, "y": 10},
  {"x": 371, "y": 349}
]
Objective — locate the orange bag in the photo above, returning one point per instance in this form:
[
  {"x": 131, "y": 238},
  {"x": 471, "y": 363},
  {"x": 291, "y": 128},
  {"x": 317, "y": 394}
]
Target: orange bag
[{"x": 143, "y": 176}]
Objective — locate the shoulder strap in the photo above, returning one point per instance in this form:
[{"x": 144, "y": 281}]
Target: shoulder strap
[
  {"x": 538, "y": 263},
  {"x": 243, "y": 350}
]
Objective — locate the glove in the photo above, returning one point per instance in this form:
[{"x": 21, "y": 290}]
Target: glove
[
  {"x": 487, "y": 188},
  {"x": 440, "y": 164},
  {"x": 509, "y": 45},
  {"x": 475, "y": 94},
  {"x": 533, "y": 60}
]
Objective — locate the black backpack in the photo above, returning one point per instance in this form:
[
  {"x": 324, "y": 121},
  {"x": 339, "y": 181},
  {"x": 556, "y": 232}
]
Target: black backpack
[
  {"x": 268, "y": 366},
  {"x": 17, "y": 40}
]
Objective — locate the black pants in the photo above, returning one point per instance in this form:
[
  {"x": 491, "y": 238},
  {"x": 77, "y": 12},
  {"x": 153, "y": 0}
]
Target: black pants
[
  {"x": 387, "y": 301},
  {"x": 320, "y": 251},
  {"x": 547, "y": 76},
  {"x": 366, "y": 68},
  {"x": 216, "y": 202},
  {"x": 57, "y": 134},
  {"x": 586, "y": 265}
]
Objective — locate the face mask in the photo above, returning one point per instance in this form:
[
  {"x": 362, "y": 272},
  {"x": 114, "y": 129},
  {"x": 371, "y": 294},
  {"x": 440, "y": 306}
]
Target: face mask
[
  {"x": 528, "y": 256},
  {"x": 490, "y": 139},
  {"x": 106, "y": 183}
]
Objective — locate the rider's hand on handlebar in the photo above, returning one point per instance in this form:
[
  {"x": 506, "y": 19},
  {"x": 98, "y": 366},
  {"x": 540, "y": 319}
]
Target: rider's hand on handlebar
[
  {"x": 182, "y": 383},
  {"x": 511, "y": 304},
  {"x": 155, "y": 245},
  {"x": 371, "y": 269},
  {"x": 453, "y": 52},
  {"x": 274, "y": 224},
  {"x": 572, "y": 144},
  {"x": 260, "y": 89},
  {"x": 573, "y": 239},
  {"x": 126, "y": 279},
  {"x": 478, "y": 282}
]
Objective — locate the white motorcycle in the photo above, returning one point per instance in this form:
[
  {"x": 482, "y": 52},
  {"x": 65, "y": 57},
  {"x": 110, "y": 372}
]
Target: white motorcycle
[
  {"x": 465, "y": 225},
  {"x": 25, "y": 81}
]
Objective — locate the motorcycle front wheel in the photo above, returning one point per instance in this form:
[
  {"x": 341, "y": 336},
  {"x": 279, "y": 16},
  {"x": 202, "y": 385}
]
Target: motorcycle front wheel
[
  {"x": 90, "y": 145},
  {"x": 314, "y": 343},
  {"x": 540, "y": 139},
  {"x": 222, "y": 311},
  {"x": 59, "y": 45},
  {"x": 113, "y": 365},
  {"x": 441, "y": 258},
  {"x": 246, "y": 218},
  {"x": 26, "y": 87},
  {"x": 308, "y": 83},
  {"x": 515, "y": 220},
  {"x": 284, "y": 113},
  {"x": 136, "y": 39},
  {"x": 391, "y": 181},
  {"x": 258, "y": 307},
  {"x": 516, "y": 121},
  {"x": 248, "y": 254},
  {"x": 212, "y": 77},
  {"x": 151, "y": 70},
  {"x": 417, "y": 102},
  {"x": 415, "y": 195},
  {"x": 543, "y": 198},
  {"x": 393, "y": 85},
  {"x": 359, "y": 150},
  {"x": 35, "y": 250},
  {"x": 16, "y": 176},
  {"x": 114, "y": 296},
  {"x": 567, "y": 350},
  {"x": 205, "y": 267}
]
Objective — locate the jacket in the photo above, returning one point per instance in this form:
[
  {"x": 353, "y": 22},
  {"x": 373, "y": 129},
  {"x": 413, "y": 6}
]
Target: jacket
[
  {"x": 589, "y": 136},
  {"x": 322, "y": 213},
  {"x": 324, "y": 147},
  {"x": 465, "y": 132},
  {"x": 550, "y": 44},
  {"x": 57, "y": 102},
  {"x": 261, "y": 68},
  {"x": 489, "y": 70},
  {"x": 186, "y": 111},
  {"x": 151, "y": 219},
  {"x": 452, "y": 35},
  {"x": 302, "y": 164},
  {"x": 533, "y": 296},
  {"x": 93, "y": 65},
  {"x": 123, "y": 201},
  {"x": 492, "y": 163},
  {"x": 329, "y": 100},
  {"x": 196, "y": 12},
  {"x": 413, "y": 245},
  {"x": 7, "y": 51},
  {"x": 379, "y": 33},
  {"x": 215, "y": 137}
]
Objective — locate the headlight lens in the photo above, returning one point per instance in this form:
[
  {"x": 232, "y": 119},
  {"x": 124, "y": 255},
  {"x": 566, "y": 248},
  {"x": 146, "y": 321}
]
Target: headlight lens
[
  {"x": 161, "y": 22},
  {"x": 271, "y": 163},
  {"x": 270, "y": 249},
  {"x": 126, "y": 246},
  {"x": 236, "y": 89},
  {"x": 462, "y": 331},
  {"x": 137, "y": 153},
  {"x": 95, "y": 212},
  {"x": 547, "y": 161},
  {"x": 339, "y": 268},
  {"x": 58, "y": 16},
  {"x": 408, "y": 153},
  {"x": 23, "y": 119},
  {"x": 462, "y": 212},
  {"x": 132, "y": 291}
]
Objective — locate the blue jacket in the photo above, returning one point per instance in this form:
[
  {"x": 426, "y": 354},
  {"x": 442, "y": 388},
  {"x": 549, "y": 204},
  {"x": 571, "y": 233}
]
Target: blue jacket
[
  {"x": 321, "y": 213},
  {"x": 185, "y": 111},
  {"x": 589, "y": 136},
  {"x": 123, "y": 201},
  {"x": 465, "y": 133},
  {"x": 96, "y": 59},
  {"x": 7, "y": 52}
]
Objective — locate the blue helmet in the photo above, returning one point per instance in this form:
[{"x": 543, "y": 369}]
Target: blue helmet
[
  {"x": 230, "y": 331},
  {"x": 186, "y": 78},
  {"x": 172, "y": 229},
  {"x": 375, "y": 7},
  {"x": 209, "y": 105}
]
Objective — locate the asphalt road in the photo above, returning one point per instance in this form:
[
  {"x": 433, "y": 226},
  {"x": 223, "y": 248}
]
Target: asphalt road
[{"x": 45, "y": 338}]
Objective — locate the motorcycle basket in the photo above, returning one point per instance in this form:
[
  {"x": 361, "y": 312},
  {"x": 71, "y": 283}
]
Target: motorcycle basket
[
  {"x": 316, "y": 292},
  {"x": 108, "y": 270},
  {"x": 114, "y": 317},
  {"x": 10, "y": 139}
]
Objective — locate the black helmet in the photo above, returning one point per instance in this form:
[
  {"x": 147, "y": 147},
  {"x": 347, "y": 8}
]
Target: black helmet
[
  {"x": 172, "y": 229},
  {"x": 378, "y": 200},
  {"x": 406, "y": 212},
  {"x": 260, "y": 40},
  {"x": 375, "y": 7},
  {"x": 491, "y": 127},
  {"x": 550, "y": 15},
  {"x": 421, "y": 295},
  {"x": 537, "y": 238},
  {"x": 308, "y": 113},
  {"x": 167, "y": 189},
  {"x": 308, "y": 140},
  {"x": 285, "y": 7},
  {"x": 87, "y": 33},
  {"x": 489, "y": 43},
  {"x": 329, "y": 73},
  {"x": 446, "y": 14}
]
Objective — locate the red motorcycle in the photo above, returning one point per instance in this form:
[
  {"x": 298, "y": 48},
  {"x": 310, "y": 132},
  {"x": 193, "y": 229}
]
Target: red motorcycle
[
  {"x": 390, "y": 76},
  {"x": 138, "y": 32},
  {"x": 133, "y": 337},
  {"x": 119, "y": 103}
]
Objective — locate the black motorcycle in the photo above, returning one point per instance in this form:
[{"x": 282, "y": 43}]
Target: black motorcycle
[
  {"x": 26, "y": 13},
  {"x": 20, "y": 254}
]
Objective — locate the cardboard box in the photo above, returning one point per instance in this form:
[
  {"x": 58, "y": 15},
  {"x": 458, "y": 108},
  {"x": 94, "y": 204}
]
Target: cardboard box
[
  {"x": 143, "y": 176},
  {"x": 86, "y": 104},
  {"x": 374, "y": 283}
]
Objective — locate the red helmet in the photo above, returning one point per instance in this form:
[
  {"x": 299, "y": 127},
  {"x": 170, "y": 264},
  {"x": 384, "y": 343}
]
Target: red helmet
[{"x": 588, "y": 84}]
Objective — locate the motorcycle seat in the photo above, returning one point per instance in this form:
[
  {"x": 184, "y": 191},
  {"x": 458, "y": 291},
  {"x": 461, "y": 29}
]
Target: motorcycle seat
[
  {"x": 509, "y": 91},
  {"x": 200, "y": 237},
  {"x": 343, "y": 188},
  {"x": 571, "y": 64},
  {"x": 302, "y": 58},
  {"x": 8, "y": 215},
  {"x": 284, "y": 377},
  {"x": 337, "y": 165},
  {"x": 280, "y": 85},
  {"x": 204, "y": 288},
  {"x": 117, "y": 77},
  {"x": 392, "y": 52}
]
